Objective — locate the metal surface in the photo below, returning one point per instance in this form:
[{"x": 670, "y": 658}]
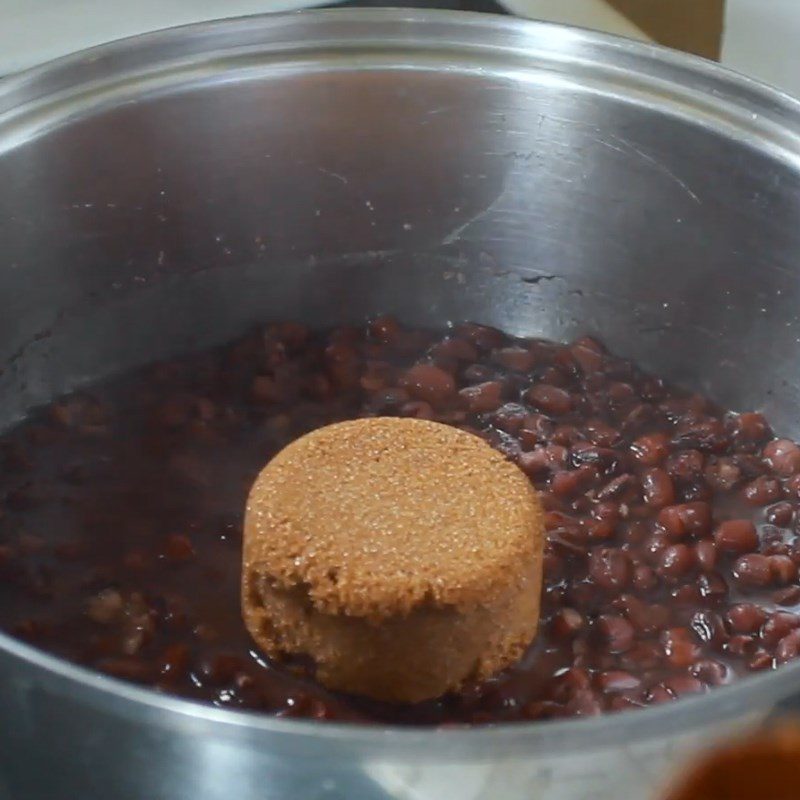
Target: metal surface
[{"x": 165, "y": 192}]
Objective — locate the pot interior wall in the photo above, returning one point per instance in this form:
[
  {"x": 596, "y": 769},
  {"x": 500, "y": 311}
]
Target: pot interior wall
[{"x": 527, "y": 201}]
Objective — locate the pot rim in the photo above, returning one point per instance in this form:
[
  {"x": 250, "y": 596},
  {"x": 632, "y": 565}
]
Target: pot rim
[{"x": 702, "y": 91}]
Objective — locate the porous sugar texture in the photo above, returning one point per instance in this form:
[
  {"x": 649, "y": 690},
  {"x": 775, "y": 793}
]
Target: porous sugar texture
[{"x": 379, "y": 516}]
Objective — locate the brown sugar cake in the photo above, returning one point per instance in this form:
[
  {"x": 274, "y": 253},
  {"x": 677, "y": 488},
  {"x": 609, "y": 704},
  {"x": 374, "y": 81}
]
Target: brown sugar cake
[{"x": 403, "y": 556}]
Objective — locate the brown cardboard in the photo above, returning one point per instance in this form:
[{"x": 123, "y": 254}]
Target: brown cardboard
[{"x": 694, "y": 26}]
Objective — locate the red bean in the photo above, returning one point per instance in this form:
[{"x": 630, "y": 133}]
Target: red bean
[
  {"x": 741, "y": 645},
  {"x": 778, "y": 625},
  {"x": 482, "y": 336},
  {"x": 519, "y": 359},
  {"x": 681, "y": 685},
  {"x": 651, "y": 450},
  {"x": 788, "y": 647},
  {"x": 542, "y": 460},
  {"x": 790, "y": 596},
  {"x": 679, "y": 648},
  {"x": 549, "y": 399},
  {"x": 658, "y": 694},
  {"x": 455, "y": 348},
  {"x": 705, "y": 553},
  {"x": 782, "y": 569},
  {"x": 418, "y": 409},
  {"x": 760, "y": 660},
  {"x": 509, "y": 418},
  {"x": 566, "y": 624},
  {"x": 707, "y": 435},
  {"x": 783, "y": 456},
  {"x": 687, "y": 595},
  {"x": 601, "y": 434},
  {"x": 588, "y": 355},
  {"x": 685, "y": 466},
  {"x": 536, "y": 429},
  {"x": 585, "y": 704},
  {"x": 644, "y": 578},
  {"x": 617, "y": 632},
  {"x": 709, "y": 628},
  {"x": 762, "y": 491},
  {"x": 712, "y": 587},
  {"x": 675, "y": 562},
  {"x": 610, "y": 568},
  {"x": 793, "y": 486},
  {"x": 781, "y": 514},
  {"x": 482, "y": 397},
  {"x": 736, "y": 536},
  {"x": 722, "y": 474},
  {"x": 429, "y": 384},
  {"x": 617, "y": 681},
  {"x": 750, "y": 427},
  {"x": 710, "y": 672},
  {"x": 657, "y": 488},
  {"x": 753, "y": 570},
  {"x": 687, "y": 519},
  {"x": 385, "y": 329},
  {"x": 746, "y": 618},
  {"x": 568, "y": 683}
]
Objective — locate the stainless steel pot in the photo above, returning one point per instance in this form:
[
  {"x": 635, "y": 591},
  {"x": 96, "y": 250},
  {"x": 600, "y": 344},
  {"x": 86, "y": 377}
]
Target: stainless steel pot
[{"x": 165, "y": 192}]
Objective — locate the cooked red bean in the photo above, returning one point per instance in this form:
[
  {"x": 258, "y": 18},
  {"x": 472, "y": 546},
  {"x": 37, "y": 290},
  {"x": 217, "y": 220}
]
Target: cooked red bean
[
  {"x": 681, "y": 685},
  {"x": 566, "y": 624},
  {"x": 788, "y": 647},
  {"x": 705, "y": 553},
  {"x": 611, "y": 569},
  {"x": 778, "y": 625},
  {"x": 146, "y": 478},
  {"x": 736, "y": 536},
  {"x": 679, "y": 647},
  {"x": 429, "y": 383},
  {"x": 616, "y": 631},
  {"x": 550, "y": 399},
  {"x": 753, "y": 570},
  {"x": 709, "y": 627},
  {"x": 617, "y": 681},
  {"x": 760, "y": 660},
  {"x": 762, "y": 491},
  {"x": 519, "y": 359},
  {"x": 783, "y": 455},
  {"x": 687, "y": 519},
  {"x": 710, "y": 671},
  {"x": 657, "y": 488},
  {"x": 750, "y": 427},
  {"x": 675, "y": 562},
  {"x": 783, "y": 569},
  {"x": 746, "y": 617},
  {"x": 723, "y": 474},
  {"x": 482, "y": 397},
  {"x": 659, "y": 694},
  {"x": 712, "y": 587},
  {"x": 651, "y": 450},
  {"x": 790, "y": 596},
  {"x": 781, "y": 514}
]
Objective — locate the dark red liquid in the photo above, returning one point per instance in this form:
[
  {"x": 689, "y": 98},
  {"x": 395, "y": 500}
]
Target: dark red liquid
[{"x": 122, "y": 512}]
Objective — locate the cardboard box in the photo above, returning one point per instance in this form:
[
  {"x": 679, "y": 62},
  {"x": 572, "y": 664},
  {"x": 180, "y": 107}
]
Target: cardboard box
[{"x": 695, "y": 26}]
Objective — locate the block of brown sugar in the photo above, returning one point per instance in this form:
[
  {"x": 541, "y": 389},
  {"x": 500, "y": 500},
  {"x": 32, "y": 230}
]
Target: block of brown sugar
[{"x": 403, "y": 556}]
